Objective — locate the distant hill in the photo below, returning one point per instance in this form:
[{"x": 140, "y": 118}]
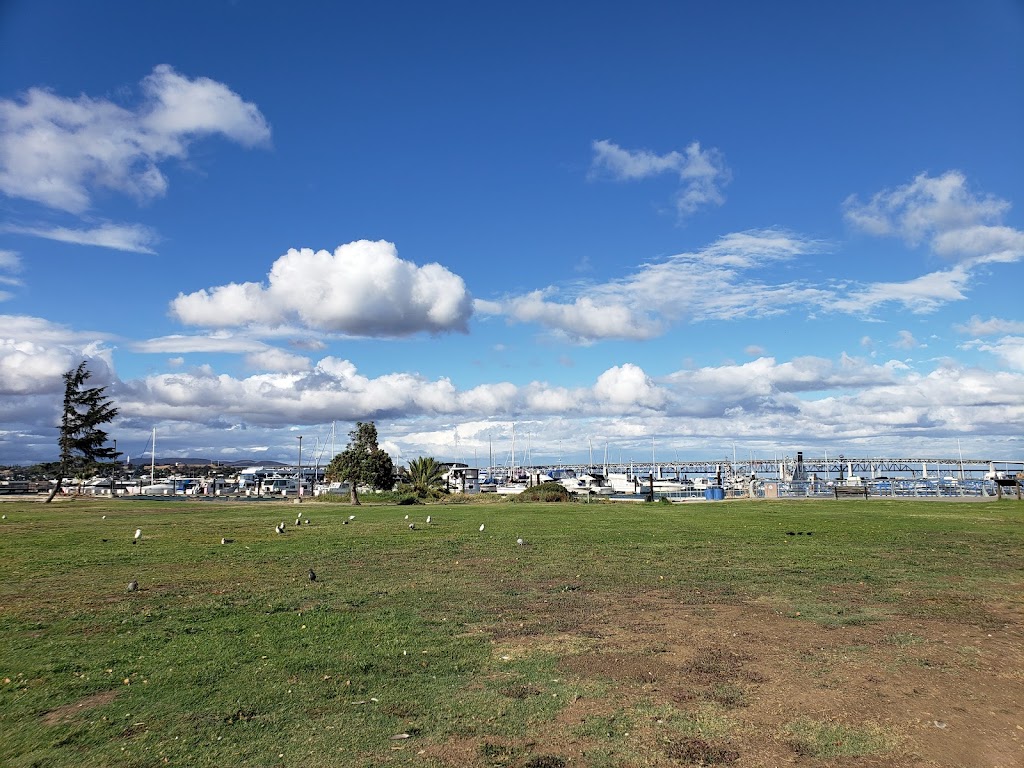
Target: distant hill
[{"x": 192, "y": 462}]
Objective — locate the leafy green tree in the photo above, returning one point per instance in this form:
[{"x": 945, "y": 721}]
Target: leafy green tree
[
  {"x": 426, "y": 476},
  {"x": 81, "y": 440},
  {"x": 363, "y": 462}
]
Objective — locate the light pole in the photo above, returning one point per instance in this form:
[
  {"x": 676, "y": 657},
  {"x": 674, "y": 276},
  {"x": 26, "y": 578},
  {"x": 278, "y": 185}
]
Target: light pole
[
  {"x": 299, "y": 473},
  {"x": 113, "y": 470}
]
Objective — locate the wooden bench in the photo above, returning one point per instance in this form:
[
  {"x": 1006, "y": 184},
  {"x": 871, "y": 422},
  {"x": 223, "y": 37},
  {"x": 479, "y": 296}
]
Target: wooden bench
[{"x": 850, "y": 490}]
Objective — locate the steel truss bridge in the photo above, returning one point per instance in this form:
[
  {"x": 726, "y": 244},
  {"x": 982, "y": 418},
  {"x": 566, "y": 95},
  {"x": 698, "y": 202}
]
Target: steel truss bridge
[{"x": 822, "y": 467}]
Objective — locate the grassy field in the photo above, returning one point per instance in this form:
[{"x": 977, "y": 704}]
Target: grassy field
[{"x": 617, "y": 635}]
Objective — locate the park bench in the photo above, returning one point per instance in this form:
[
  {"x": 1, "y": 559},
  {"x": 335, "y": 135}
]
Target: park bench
[{"x": 850, "y": 490}]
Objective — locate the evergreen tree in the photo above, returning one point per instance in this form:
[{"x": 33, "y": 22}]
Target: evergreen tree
[
  {"x": 362, "y": 462},
  {"x": 81, "y": 440}
]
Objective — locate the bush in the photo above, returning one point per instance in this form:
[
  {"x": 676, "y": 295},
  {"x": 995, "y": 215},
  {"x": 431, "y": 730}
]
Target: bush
[{"x": 549, "y": 491}]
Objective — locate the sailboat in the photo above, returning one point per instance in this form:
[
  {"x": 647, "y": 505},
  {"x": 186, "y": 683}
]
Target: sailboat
[
  {"x": 512, "y": 486},
  {"x": 166, "y": 488},
  {"x": 489, "y": 484}
]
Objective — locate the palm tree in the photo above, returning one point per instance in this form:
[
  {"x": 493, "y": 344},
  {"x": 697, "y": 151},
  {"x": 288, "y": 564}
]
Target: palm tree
[{"x": 426, "y": 476}]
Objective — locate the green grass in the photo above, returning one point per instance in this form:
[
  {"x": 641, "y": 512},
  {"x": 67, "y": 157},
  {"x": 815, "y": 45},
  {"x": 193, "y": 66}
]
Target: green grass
[
  {"x": 811, "y": 738},
  {"x": 227, "y": 655}
]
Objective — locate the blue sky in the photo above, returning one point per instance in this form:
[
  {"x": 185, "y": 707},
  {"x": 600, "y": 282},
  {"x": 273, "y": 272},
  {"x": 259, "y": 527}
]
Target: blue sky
[{"x": 698, "y": 226}]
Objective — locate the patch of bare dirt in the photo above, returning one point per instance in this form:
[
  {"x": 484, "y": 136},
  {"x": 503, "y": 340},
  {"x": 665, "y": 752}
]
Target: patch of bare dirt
[
  {"x": 68, "y": 711},
  {"x": 946, "y": 693}
]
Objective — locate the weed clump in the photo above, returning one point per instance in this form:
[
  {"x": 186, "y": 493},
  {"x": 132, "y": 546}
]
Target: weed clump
[
  {"x": 545, "y": 761},
  {"x": 700, "y": 752}
]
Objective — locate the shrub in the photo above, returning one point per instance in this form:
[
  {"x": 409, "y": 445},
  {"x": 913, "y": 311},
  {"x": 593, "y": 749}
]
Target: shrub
[{"x": 549, "y": 491}]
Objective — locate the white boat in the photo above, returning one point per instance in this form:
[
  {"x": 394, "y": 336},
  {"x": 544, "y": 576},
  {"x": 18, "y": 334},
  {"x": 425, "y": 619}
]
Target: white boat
[
  {"x": 159, "y": 489},
  {"x": 596, "y": 485},
  {"x": 510, "y": 489},
  {"x": 283, "y": 486}
]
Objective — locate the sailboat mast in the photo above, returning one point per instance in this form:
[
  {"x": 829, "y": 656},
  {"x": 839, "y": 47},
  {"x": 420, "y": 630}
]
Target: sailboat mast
[{"x": 152, "y": 461}]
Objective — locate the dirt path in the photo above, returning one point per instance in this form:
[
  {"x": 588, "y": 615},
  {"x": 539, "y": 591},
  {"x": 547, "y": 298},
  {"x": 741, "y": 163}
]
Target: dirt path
[{"x": 752, "y": 682}]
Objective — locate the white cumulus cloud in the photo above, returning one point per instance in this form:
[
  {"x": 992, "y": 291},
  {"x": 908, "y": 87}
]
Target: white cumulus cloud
[
  {"x": 58, "y": 151},
  {"x": 981, "y": 241},
  {"x": 35, "y": 353},
  {"x": 628, "y": 386},
  {"x": 943, "y": 211},
  {"x": 362, "y": 289},
  {"x": 1009, "y": 348}
]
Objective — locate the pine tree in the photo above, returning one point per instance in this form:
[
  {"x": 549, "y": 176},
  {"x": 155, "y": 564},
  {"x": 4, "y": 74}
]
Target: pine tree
[
  {"x": 362, "y": 462},
  {"x": 86, "y": 410}
]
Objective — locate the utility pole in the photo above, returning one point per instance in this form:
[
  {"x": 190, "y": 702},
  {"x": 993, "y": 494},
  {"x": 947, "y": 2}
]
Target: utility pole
[{"x": 299, "y": 468}]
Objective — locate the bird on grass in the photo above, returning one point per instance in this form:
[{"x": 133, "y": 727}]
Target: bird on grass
[
  {"x": 428, "y": 519},
  {"x": 133, "y": 586},
  {"x": 520, "y": 541},
  {"x": 138, "y": 536},
  {"x": 406, "y": 517},
  {"x": 412, "y": 526},
  {"x": 312, "y": 575},
  {"x": 227, "y": 541},
  {"x": 481, "y": 527},
  {"x": 279, "y": 528}
]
